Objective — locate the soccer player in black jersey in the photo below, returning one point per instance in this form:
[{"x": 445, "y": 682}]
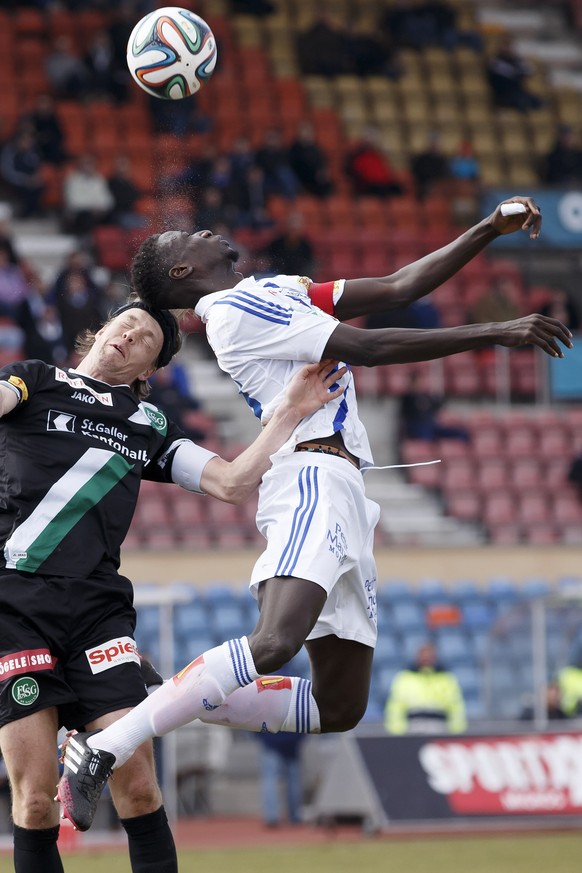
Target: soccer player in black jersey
[{"x": 74, "y": 446}]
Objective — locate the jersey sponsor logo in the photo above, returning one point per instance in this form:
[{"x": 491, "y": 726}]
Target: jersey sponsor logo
[
  {"x": 64, "y": 422},
  {"x": 25, "y": 691},
  {"x": 114, "y": 438},
  {"x": 112, "y": 653},
  {"x": 273, "y": 683},
  {"x": 338, "y": 543},
  {"x": 156, "y": 417},
  {"x": 26, "y": 661},
  {"x": 85, "y": 398},
  {"x": 20, "y": 386},
  {"x": 75, "y": 382}
]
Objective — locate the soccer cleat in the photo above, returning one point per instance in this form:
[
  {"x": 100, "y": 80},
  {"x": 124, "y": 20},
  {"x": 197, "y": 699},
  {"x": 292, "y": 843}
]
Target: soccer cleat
[{"x": 85, "y": 775}]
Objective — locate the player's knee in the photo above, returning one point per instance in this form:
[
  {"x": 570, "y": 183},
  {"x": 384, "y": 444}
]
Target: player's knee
[
  {"x": 342, "y": 715},
  {"x": 137, "y": 793},
  {"x": 36, "y": 810},
  {"x": 271, "y": 651}
]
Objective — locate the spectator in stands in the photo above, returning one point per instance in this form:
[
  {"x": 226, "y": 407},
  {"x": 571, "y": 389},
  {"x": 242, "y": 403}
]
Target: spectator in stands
[
  {"x": 241, "y": 157},
  {"x": 575, "y": 474},
  {"x": 77, "y": 261},
  {"x": 78, "y": 308},
  {"x": 431, "y": 169},
  {"x": 65, "y": 70},
  {"x": 507, "y": 73},
  {"x": 41, "y": 325},
  {"x": 554, "y": 710},
  {"x": 563, "y": 164},
  {"x": 272, "y": 157},
  {"x": 13, "y": 285},
  {"x": 373, "y": 54},
  {"x": 48, "y": 130},
  {"x": 105, "y": 79},
  {"x": 178, "y": 117},
  {"x": 419, "y": 24},
  {"x": 250, "y": 200},
  {"x": 252, "y": 7},
  {"x": 211, "y": 209},
  {"x": 464, "y": 165},
  {"x": 126, "y": 195},
  {"x": 499, "y": 302},
  {"x": 570, "y": 683},
  {"x": 196, "y": 176},
  {"x": 291, "y": 251},
  {"x": 309, "y": 163},
  {"x": 419, "y": 410},
  {"x": 7, "y": 232},
  {"x": 87, "y": 199},
  {"x": 21, "y": 171},
  {"x": 425, "y": 698},
  {"x": 560, "y": 305},
  {"x": 324, "y": 48},
  {"x": 369, "y": 169}
]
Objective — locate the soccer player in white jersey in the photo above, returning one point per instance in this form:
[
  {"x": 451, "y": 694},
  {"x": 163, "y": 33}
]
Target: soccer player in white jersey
[
  {"x": 74, "y": 447},
  {"x": 316, "y": 580}
]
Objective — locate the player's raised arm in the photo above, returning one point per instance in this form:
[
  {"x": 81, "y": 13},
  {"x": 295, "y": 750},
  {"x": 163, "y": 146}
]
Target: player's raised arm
[
  {"x": 400, "y": 345},
  {"x": 415, "y": 280},
  {"x": 311, "y": 387}
]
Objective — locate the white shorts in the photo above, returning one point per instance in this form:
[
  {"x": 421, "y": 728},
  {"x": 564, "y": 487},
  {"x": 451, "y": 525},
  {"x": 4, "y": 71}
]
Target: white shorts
[{"x": 319, "y": 525}]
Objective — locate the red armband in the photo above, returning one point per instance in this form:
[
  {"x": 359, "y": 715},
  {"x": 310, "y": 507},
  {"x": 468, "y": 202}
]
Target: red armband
[{"x": 321, "y": 294}]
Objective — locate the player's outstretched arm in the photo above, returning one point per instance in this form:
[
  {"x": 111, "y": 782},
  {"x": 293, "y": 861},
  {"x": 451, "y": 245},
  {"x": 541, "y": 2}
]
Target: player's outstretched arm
[
  {"x": 369, "y": 348},
  {"x": 311, "y": 387},
  {"x": 415, "y": 280}
]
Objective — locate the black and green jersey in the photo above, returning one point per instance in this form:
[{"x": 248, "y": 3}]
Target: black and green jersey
[{"x": 72, "y": 455}]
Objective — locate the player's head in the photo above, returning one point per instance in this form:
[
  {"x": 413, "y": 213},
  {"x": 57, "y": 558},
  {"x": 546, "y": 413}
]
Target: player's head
[
  {"x": 134, "y": 342},
  {"x": 174, "y": 269}
]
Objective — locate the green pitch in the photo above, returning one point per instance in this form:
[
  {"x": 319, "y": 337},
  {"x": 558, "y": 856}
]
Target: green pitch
[{"x": 561, "y": 853}]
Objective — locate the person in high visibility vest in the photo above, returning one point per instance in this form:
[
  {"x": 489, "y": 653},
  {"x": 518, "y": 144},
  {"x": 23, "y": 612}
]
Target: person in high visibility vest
[
  {"x": 570, "y": 684},
  {"x": 425, "y": 698}
]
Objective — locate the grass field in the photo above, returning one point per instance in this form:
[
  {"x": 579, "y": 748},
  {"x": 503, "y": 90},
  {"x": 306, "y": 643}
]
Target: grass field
[{"x": 535, "y": 853}]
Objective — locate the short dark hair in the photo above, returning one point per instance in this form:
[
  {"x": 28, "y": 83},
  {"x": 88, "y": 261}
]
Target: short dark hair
[{"x": 149, "y": 272}]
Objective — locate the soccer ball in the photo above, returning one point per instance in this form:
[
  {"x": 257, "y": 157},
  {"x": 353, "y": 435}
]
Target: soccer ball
[{"x": 171, "y": 52}]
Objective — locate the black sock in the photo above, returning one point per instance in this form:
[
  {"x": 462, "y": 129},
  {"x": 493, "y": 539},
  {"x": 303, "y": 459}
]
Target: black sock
[
  {"x": 151, "y": 844},
  {"x": 36, "y": 851}
]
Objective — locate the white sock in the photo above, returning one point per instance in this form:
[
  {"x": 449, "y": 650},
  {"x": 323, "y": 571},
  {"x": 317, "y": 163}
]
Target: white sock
[
  {"x": 271, "y": 704},
  {"x": 199, "y": 688}
]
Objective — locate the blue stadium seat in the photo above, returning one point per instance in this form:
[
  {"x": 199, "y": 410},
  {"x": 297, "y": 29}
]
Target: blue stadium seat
[
  {"x": 433, "y": 590},
  {"x": 388, "y": 649},
  {"x": 392, "y": 590},
  {"x": 228, "y": 622},
  {"x": 453, "y": 648},
  {"x": 190, "y": 649},
  {"x": 470, "y": 679},
  {"x": 535, "y": 588},
  {"x": 408, "y": 616},
  {"x": 190, "y": 618},
  {"x": 465, "y": 590},
  {"x": 477, "y": 614},
  {"x": 148, "y": 619},
  {"x": 502, "y": 589}
]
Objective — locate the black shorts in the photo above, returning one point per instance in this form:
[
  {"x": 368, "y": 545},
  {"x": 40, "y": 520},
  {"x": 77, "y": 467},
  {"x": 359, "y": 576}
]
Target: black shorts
[{"x": 68, "y": 643}]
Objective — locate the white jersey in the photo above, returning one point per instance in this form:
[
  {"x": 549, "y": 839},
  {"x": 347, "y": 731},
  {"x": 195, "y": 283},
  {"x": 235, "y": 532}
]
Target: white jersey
[{"x": 262, "y": 331}]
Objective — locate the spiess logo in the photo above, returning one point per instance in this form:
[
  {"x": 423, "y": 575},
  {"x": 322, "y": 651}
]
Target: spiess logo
[{"x": 25, "y": 691}]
